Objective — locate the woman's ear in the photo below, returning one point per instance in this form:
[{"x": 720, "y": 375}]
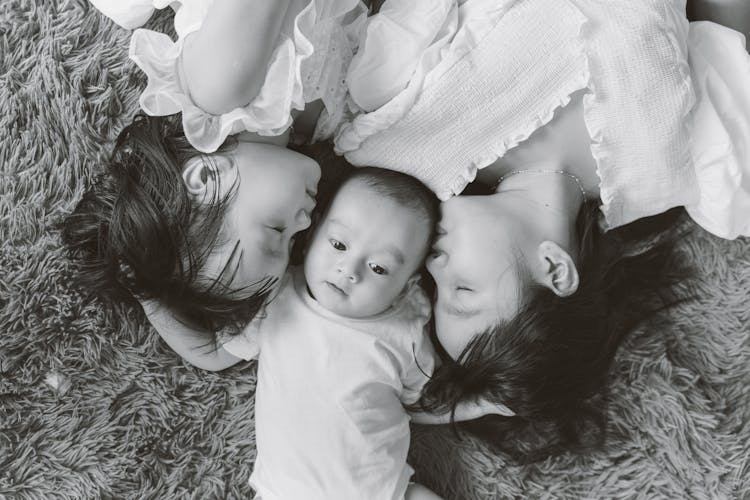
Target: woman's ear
[
  {"x": 559, "y": 271},
  {"x": 209, "y": 178}
]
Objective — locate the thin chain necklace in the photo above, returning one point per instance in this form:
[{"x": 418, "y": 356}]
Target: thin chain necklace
[{"x": 561, "y": 172}]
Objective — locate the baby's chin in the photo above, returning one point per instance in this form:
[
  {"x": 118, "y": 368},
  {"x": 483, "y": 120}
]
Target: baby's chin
[{"x": 338, "y": 302}]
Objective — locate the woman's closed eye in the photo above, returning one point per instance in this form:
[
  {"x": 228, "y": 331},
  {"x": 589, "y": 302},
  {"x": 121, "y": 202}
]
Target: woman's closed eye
[{"x": 277, "y": 228}]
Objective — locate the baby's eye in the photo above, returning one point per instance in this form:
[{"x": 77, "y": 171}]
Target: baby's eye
[
  {"x": 378, "y": 269},
  {"x": 337, "y": 245}
]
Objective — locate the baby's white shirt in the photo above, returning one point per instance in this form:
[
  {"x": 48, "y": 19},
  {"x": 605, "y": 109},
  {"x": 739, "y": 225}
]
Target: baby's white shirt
[{"x": 329, "y": 421}]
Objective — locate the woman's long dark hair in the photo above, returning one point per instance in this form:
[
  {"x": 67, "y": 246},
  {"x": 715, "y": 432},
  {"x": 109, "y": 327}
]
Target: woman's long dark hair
[
  {"x": 140, "y": 236},
  {"x": 550, "y": 363}
]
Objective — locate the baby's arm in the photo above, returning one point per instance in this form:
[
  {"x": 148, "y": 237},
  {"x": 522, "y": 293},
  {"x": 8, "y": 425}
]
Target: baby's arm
[
  {"x": 192, "y": 345},
  {"x": 225, "y": 61}
]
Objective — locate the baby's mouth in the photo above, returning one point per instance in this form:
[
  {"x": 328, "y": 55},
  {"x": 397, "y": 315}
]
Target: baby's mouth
[{"x": 336, "y": 289}]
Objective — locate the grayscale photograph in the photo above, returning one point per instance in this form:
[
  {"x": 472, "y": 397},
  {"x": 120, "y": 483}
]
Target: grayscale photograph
[{"x": 374, "y": 249}]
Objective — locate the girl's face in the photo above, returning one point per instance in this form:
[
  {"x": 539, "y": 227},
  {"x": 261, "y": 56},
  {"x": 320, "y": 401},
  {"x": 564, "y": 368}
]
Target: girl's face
[
  {"x": 274, "y": 195},
  {"x": 476, "y": 264}
]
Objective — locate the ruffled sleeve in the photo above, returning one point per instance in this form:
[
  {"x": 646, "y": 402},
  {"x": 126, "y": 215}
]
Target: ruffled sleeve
[{"x": 282, "y": 90}]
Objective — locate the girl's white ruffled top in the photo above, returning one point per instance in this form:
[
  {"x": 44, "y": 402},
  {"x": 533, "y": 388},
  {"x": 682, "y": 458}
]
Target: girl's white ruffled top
[
  {"x": 498, "y": 69},
  {"x": 312, "y": 54}
]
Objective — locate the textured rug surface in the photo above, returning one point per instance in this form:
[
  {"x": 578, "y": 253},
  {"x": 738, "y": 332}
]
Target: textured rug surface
[{"x": 94, "y": 405}]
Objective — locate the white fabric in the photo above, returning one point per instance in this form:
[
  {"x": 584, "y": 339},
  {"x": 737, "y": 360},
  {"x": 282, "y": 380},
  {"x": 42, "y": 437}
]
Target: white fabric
[
  {"x": 328, "y": 417},
  {"x": 510, "y": 64},
  {"x": 720, "y": 142},
  {"x": 395, "y": 40},
  {"x": 316, "y": 42}
]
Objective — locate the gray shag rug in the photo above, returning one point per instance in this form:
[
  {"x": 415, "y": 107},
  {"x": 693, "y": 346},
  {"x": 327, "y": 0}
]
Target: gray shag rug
[{"x": 94, "y": 405}]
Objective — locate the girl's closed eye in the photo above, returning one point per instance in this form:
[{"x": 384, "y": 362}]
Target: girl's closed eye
[
  {"x": 278, "y": 228},
  {"x": 378, "y": 269}
]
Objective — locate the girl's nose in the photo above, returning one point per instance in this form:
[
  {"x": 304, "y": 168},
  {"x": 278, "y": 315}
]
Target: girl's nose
[{"x": 302, "y": 219}]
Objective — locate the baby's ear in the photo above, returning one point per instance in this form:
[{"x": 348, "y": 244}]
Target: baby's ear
[{"x": 209, "y": 177}]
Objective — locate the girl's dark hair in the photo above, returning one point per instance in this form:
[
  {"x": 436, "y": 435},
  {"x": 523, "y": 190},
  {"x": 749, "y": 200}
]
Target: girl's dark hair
[
  {"x": 550, "y": 363},
  {"x": 140, "y": 236}
]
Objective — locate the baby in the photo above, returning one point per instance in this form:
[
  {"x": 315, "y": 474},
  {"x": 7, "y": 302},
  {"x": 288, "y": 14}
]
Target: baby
[{"x": 342, "y": 347}]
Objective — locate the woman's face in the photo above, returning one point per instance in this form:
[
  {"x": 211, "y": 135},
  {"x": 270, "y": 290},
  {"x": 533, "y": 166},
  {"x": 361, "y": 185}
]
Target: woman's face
[
  {"x": 476, "y": 264},
  {"x": 274, "y": 196}
]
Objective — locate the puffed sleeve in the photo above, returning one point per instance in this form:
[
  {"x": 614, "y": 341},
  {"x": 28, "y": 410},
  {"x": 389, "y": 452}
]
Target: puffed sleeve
[{"x": 283, "y": 89}]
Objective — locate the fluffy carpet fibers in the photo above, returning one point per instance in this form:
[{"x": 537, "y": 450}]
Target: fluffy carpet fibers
[{"x": 94, "y": 405}]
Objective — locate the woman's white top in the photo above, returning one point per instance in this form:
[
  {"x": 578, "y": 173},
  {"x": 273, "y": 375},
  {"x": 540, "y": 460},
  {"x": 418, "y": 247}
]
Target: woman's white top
[{"x": 498, "y": 69}]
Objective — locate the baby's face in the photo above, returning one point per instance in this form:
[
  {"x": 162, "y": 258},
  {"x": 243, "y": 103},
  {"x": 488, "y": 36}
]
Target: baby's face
[{"x": 364, "y": 252}]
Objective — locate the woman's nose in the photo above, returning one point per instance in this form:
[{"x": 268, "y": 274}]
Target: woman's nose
[{"x": 437, "y": 259}]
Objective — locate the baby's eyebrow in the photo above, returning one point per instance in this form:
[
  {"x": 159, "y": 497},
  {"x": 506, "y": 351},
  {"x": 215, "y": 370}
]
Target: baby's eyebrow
[
  {"x": 396, "y": 254},
  {"x": 336, "y": 222}
]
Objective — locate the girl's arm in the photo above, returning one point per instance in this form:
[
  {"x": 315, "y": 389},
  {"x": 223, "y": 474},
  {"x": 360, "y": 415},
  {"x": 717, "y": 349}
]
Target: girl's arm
[
  {"x": 192, "y": 345},
  {"x": 225, "y": 61},
  {"x": 465, "y": 410}
]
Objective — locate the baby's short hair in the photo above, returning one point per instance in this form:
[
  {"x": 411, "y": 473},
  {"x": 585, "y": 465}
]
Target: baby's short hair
[{"x": 404, "y": 189}]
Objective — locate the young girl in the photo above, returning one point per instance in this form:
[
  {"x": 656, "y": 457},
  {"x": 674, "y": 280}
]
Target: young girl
[{"x": 342, "y": 347}]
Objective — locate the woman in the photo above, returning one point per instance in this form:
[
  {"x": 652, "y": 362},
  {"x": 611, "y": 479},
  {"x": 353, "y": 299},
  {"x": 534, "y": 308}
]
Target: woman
[{"x": 533, "y": 297}]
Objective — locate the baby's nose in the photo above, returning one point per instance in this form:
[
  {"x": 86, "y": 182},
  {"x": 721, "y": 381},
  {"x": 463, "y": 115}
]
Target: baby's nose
[{"x": 350, "y": 271}]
